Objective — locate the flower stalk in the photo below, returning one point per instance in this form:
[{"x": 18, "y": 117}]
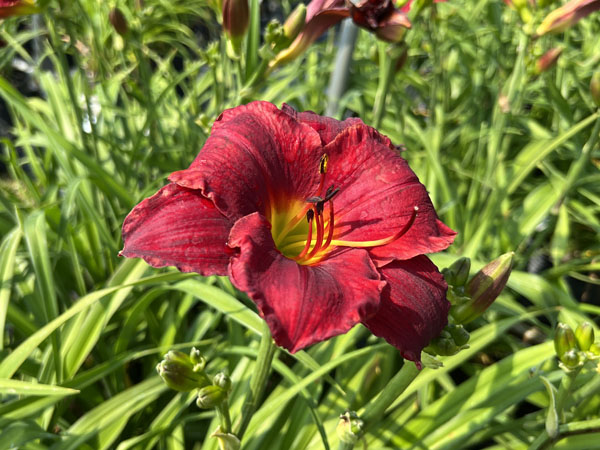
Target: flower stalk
[{"x": 264, "y": 359}]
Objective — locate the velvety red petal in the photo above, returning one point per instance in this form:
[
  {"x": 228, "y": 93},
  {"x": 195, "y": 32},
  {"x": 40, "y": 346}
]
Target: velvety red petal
[
  {"x": 378, "y": 193},
  {"x": 302, "y": 304},
  {"x": 178, "y": 227},
  {"x": 327, "y": 127},
  {"x": 413, "y": 307},
  {"x": 256, "y": 156}
]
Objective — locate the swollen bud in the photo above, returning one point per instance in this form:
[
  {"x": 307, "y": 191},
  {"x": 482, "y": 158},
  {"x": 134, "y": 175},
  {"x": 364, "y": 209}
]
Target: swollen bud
[
  {"x": 595, "y": 88},
  {"x": 295, "y": 22},
  {"x": 484, "y": 288},
  {"x": 349, "y": 428},
  {"x": 584, "y": 335},
  {"x": 460, "y": 336},
  {"x": 179, "y": 372},
  {"x": 564, "y": 342},
  {"x": 236, "y": 15},
  {"x": 548, "y": 60},
  {"x": 210, "y": 396},
  {"x": 118, "y": 21}
]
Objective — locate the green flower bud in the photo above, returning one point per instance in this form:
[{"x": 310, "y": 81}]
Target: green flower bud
[
  {"x": 595, "y": 88},
  {"x": 584, "y": 335},
  {"x": 179, "y": 372},
  {"x": 443, "y": 346},
  {"x": 460, "y": 269},
  {"x": 564, "y": 340},
  {"x": 350, "y": 427},
  {"x": 197, "y": 359},
  {"x": 595, "y": 349},
  {"x": 210, "y": 396},
  {"x": 570, "y": 359},
  {"x": 460, "y": 336},
  {"x": 227, "y": 441},
  {"x": 295, "y": 22},
  {"x": 484, "y": 288},
  {"x": 223, "y": 381}
]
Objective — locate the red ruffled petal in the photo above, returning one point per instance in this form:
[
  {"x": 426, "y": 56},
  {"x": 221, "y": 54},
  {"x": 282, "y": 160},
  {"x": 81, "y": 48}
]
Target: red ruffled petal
[
  {"x": 178, "y": 227},
  {"x": 327, "y": 127},
  {"x": 256, "y": 157},
  {"x": 413, "y": 307},
  {"x": 302, "y": 304},
  {"x": 378, "y": 193}
]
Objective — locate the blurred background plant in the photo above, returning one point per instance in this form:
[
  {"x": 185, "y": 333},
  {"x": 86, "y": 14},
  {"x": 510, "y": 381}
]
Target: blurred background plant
[{"x": 101, "y": 100}]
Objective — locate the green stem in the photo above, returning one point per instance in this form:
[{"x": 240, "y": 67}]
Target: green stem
[
  {"x": 375, "y": 409},
  {"x": 266, "y": 350},
  {"x": 564, "y": 390},
  {"x": 223, "y": 412},
  {"x": 387, "y": 63},
  {"x": 345, "y": 446}
]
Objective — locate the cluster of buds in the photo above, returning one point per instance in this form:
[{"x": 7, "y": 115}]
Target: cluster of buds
[
  {"x": 470, "y": 299},
  {"x": 451, "y": 340},
  {"x": 350, "y": 428},
  {"x": 575, "y": 348},
  {"x": 186, "y": 373}
]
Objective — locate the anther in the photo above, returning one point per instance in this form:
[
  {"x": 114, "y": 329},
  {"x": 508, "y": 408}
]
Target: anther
[
  {"x": 323, "y": 164},
  {"x": 310, "y": 215}
]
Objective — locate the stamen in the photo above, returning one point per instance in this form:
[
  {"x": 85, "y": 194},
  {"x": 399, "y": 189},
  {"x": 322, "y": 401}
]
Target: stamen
[
  {"x": 310, "y": 214},
  {"x": 320, "y": 230},
  {"x": 330, "y": 226},
  {"x": 322, "y": 170},
  {"x": 378, "y": 242}
]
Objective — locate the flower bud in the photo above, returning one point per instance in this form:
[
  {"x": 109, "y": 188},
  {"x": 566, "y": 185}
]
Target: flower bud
[
  {"x": 227, "y": 441},
  {"x": 584, "y": 335},
  {"x": 210, "y": 396},
  {"x": 458, "y": 273},
  {"x": 548, "y": 60},
  {"x": 564, "y": 340},
  {"x": 118, "y": 21},
  {"x": 567, "y": 15},
  {"x": 595, "y": 88},
  {"x": 443, "y": 346},
  {"x": 295, "y": 22},
  {"x": 460, "y": 336},
  {"x": 570, "y": 359},
  {"x": 484, "y": 288},
  {"x": 236, "y": 15},
  {"x": 349, "y": 428},
  {"x": 223, "y": 381},
  {"x": 179, "y": 372},
  {"x": 197, "y": 359},
  {"x": 595, "y": 349}
]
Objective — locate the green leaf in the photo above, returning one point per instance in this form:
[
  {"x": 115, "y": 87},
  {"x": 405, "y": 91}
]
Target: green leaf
[{"x": 17, "y": 387}]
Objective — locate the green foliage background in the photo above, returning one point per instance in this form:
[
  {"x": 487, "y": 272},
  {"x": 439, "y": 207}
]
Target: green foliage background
[{"x": 510, "y": 159}]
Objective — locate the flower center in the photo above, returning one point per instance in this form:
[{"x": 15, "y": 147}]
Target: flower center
[{"x": 305, "y": 231}]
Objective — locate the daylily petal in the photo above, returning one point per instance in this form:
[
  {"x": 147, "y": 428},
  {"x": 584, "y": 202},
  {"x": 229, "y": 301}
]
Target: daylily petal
[
  {"x": 327, "y": 127},
  {"x": 178, "y": 227},
  {"x": 302, "y": 304},
  {"x": 377, "y": 196},
  {"x": 413, "y": 307},
  {"x": 393, "y": 27},
  {"x": 256, "y": 156}
]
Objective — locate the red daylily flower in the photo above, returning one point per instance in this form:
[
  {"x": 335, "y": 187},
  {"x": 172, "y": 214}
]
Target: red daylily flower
[
  {"x": 10, "y": 8},
  {"x": 378, "y": 16},
  {"x": 321, "y": 222}
]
